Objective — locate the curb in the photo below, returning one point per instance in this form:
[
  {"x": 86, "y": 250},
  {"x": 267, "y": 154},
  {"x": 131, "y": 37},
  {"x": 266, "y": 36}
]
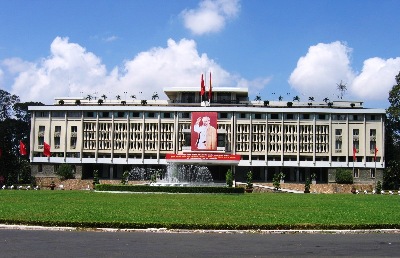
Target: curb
[{"x": 165, "y": 230}]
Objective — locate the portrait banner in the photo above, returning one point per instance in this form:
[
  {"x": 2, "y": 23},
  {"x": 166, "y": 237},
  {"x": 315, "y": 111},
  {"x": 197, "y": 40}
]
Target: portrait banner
[{"x": 204, "y": 131}]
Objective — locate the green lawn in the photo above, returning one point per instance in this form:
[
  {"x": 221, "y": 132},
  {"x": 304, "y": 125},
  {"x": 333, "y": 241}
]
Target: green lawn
[{"x": 200, "y": 211}]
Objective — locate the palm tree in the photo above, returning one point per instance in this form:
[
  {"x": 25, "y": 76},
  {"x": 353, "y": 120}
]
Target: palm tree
[
  {"x": 296, "y": 98},
  {"x": 118, "y": 97},
  {"x": 133, "y": 96},
  {"x": 89, "y": 97},
  {"x": 258, "y": 97},
  {"x": 310, "y": 98},
  {"x": 155, "y": 96},
  {"x": 280, "y": 98},
  {"x": 342, "y": 89},
  {"x": 326, "y": 100},
  {"x": 104, "y": 97}
]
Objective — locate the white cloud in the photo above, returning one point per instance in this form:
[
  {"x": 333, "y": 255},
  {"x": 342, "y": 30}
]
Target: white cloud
[
  {"x": 210, "y": 16},
  {"x": 376, "y": 79},
  {"x": 110, "y": 39},
  {"x": 70, "y": 70},
  {"x": 325, "y": 65},
  {"x": 321, "y": 69}
]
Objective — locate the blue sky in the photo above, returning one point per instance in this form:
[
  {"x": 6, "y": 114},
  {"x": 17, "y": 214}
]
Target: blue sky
[{"x": 273, "y": 47}]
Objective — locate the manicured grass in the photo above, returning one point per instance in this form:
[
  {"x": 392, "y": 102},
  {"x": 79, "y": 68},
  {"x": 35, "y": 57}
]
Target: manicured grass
[{"x": 200, "y": 211}]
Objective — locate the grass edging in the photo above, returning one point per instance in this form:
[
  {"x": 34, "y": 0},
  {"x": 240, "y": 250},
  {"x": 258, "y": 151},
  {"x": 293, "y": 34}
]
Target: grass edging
[{"x": 197, "y": 226}]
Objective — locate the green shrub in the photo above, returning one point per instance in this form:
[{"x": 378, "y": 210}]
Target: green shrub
[
  {"x": 65, "y": 171},
  {"x": 276, "y": 181},
  {"x": 229, "y": 178},
  {"x": 249, "y": 180},
  {"x": 378, "y": 188},
  {"x": 125, "y": 177},
  {"x": 168, "y": 189},
  {"x": 344, "y": 176}
]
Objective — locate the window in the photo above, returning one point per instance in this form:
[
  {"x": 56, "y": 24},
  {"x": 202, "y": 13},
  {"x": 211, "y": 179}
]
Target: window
[
  {"x": 120, "y": 114},
  {"x": 188, "y": 97},
  {"x": 90, "y": 114},
  {"x": 259, "y": 116},
  {"x": 339, "y": 117},
  {"x": 338, "y": 146},
  {"x": 167, "y": 115},
  {"x": 57, "y": 135},
  {"x": 74, "y": 114},
  {"x": 104, "y": 114},
  {"x": 338, "y": 132},
  {"x": 275, "y": 116},
  {"x": 74, "y": 135},
  {"x": 305, "y": 116},
  {"x": 187, "y": 139},
  {"x": 372, "y": 173},
  {"x": 221, "y": 140},
  {"x": 224, "y": 97},
  {"x": 243, "y": 115},
  {"x": 41, "y": 136},
  {"x": 224, "y": 115},
  {"x": 58, "y": 114},
  {"x": 135, "y": 114},
  {"x": 322, "y": 116},
  {"x": 289, "y": 116},
  {"x": 356, "y": 173},
  {"x": 185, "y": 115},
  {"x": 151, "y": 115},
  {"x": 42, "y": 114},
  {"x": 356, "y": 132}
]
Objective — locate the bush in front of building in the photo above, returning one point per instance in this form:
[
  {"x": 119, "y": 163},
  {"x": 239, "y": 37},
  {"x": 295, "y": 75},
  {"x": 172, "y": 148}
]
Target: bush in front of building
[
  {"x": 229, "y": 178},
  {"x": 65, "y": 171},
  {"x": 344, "y": 176},
  {"x": 169, "y": 189}
]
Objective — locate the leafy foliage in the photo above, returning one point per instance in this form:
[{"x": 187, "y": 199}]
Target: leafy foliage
[
  {"x": 249, "y": 179},
  {"x": 276, "y": 181},
  {"x": 344, "y": 176},
  {"x": 392, "y": 141},
  {"x": 229, "y": 178},
  {"x": 65, "y": 171},
  {"x": 307, "y": 186},
  {"x": 378, "y": 187},
  {"x": 167, "y": 189}
]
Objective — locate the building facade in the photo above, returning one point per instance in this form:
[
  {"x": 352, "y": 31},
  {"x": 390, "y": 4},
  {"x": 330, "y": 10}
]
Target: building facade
[{"x": 266, "y": 137}]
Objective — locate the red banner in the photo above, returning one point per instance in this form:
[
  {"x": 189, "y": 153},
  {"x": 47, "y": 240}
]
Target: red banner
[
  {"x": 203, "y": 156},
  {"x": 204, "y": 131}
]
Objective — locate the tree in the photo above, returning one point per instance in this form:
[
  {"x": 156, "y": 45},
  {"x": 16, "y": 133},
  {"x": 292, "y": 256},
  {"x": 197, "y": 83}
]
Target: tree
[
  {"x": 342, "y": 89},
  {"x": 65, "y": 171},
  {"x": 14, "y": 127},
  {"x": 392, "y": 147},
  {"x": 7, "y": 102}
]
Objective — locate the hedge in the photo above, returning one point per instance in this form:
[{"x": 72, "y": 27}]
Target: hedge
[{"x": 169, "y": 189}]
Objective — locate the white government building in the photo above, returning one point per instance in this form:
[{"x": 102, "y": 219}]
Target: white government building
[{"x": 266, "y": 137}]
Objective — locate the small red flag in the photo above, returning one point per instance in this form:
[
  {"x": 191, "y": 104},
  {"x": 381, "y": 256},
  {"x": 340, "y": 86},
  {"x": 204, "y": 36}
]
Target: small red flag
[
  {"x": 22, "y": 148},
  {"x": 354, "y": 153},
  {"x": 376, "y": 151},
  {"x": 210, "y": 91},
  {"x": 46, "y": 150},
  {"x": 203, "y": 87}
]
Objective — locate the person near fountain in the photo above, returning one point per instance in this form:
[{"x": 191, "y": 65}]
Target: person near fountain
[{"x": 207, "y": 134}]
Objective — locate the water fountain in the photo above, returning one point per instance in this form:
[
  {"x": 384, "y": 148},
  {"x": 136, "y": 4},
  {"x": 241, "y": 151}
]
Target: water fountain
[{"x": 174, "y": 175}]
